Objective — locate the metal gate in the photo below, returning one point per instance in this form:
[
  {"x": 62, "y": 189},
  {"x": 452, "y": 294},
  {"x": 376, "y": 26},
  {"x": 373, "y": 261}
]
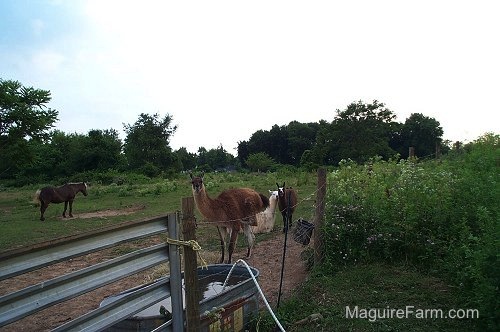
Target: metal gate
[{"x": 22, "y": 303}]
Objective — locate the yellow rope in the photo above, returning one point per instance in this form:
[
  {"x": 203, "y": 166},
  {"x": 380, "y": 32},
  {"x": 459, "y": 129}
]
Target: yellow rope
[{"x": 191, "y": 243}]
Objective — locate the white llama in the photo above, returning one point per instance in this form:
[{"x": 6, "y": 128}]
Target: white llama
[{"x": 265, "y": 219}]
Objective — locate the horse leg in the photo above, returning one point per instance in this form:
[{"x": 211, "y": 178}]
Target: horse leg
[
  {"x": 232, "y": 244},
  {"x": 247, "y": 230},
  {"x": 43, "y": 207},
  {"x": 65, "y": 208},
  {"x": 222, "y": 234},
  {"x": 71, "y": 208}
]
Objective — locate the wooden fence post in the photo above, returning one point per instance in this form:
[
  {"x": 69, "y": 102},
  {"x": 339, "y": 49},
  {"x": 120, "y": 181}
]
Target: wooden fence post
[
  {"x": 438, "y": 150},
  {"x": 411, "y": 152},
  {"x": 319, "y": 216},
  {"x": 190, "y": 266}
]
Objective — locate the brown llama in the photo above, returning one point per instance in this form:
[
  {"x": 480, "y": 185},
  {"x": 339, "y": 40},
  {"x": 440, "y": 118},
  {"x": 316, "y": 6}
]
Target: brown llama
[
  {"x": 231, "y": 211},
  {"x": 287, "y": 197}
]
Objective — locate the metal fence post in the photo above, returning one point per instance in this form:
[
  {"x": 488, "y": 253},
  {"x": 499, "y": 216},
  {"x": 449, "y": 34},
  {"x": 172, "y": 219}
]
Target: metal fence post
[{"x": 175, "y": 275}]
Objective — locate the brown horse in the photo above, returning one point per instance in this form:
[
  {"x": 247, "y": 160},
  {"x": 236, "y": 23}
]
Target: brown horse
[
  {"x": 60, "y": 194},
  {"x": 287, "y": 200},
  {"x": 231, "y": 211}
]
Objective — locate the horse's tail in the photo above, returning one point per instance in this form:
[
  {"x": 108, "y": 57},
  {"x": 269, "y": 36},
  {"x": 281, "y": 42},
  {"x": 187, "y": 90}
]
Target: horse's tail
[{"x": 36, "y": 198}]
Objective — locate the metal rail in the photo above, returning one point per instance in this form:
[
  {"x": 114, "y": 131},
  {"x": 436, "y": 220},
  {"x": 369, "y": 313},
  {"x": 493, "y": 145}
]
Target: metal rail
[
  {"x": 24, "y": 302},
  {"x": 35, "y": 257}
]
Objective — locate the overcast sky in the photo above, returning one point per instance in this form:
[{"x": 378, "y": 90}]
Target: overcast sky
[{"x": 225, "y": 69}]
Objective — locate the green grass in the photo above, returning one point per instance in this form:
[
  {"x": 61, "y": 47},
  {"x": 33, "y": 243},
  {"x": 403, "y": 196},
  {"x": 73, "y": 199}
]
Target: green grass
[
  {"x": 325, "y": 292},
  {"x": 20, "y": 224},
  {"x": 376, "y": 286}
]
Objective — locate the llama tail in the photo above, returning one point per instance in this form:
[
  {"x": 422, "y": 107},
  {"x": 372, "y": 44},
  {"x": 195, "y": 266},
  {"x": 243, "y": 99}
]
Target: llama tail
[
  {"x": 36, "y": 198},
  {"x": 265, "y": 201}
]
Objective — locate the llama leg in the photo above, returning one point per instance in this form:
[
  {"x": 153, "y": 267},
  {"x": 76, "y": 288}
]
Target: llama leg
[
  {"x": 232, "y": 244},
  {"x": 222, "y": 234},
  {"x": 250, "y": 239}
]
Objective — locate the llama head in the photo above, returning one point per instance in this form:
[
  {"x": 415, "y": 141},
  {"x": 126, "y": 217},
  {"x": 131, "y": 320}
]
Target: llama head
[
  {"x": 281, "y": 190},
  {"x": 273, "y": 195},
  {"x": 197, "y": 182}
]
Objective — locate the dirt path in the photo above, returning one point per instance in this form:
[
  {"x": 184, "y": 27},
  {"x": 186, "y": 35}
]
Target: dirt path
[{"x": 267, "y": 257}]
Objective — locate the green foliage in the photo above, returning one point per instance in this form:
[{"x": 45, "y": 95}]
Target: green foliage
[
  {"x": 147, "y": 141},
  {"x": 24, "y": 117},
  {"x": 440, "y": 216},
  {"x": 186, "y": 159},
  {"x": 260, "y": 162},
  {"x": 360, "y": 132},
  {"x": 284, "y": 144},
  {"x": 214, "y": 159},
  {"x": 68, "y": 155},
  {"x": 370, "y": 286},
  {"x": 420, "y": 132}
]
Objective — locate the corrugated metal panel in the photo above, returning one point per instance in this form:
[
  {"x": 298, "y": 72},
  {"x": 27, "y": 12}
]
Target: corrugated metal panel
[
  {"x": 123, "y": 307},
  {"x": 78, "y": 246},
  {"x": 32, "y": 299}
]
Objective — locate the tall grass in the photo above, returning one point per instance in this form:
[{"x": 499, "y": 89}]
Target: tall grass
[{"x": 441, "y": 216}]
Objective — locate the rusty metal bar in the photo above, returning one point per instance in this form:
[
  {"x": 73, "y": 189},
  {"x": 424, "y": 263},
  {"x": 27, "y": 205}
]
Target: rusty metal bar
[
  {"x": 26, "y": 301},
  {"x": 123, "y": 307},
  {"x": 17, "y": 262}
]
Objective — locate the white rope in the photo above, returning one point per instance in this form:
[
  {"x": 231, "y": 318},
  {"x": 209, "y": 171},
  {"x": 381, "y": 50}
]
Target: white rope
[{"x": 258, "y": 287}]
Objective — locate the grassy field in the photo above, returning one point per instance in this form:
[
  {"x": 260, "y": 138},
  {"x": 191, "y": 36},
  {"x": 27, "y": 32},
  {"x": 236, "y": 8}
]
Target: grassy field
[
  {"x": 20, "y": 224},
  {"x": 371, "y": 286},
  {"x": 326, "y": 292}
]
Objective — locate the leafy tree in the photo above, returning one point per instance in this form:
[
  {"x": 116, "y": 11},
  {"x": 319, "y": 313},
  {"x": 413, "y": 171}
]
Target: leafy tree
[
  {"x": 147, "y": 142},
  {"x": 214, "y": 159},
  {"x": 360, "y": 132},
  {"x": 100, "y": 150},
  {"x": 261, "y": 141},
  {"x": 301, "y": 137},
  {"x": 24, "y": 117},
  {"x": 279, "y": 144},
  {"x": 243, "y": 152},
  {"x": 186, "y": 159},
  {"x": 260, "y": 162},
  {"x": 285, "y": 144},
  {"x": 420, "y": 132}
]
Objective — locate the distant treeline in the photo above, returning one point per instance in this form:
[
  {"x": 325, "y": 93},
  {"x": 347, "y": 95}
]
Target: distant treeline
[{"x": 33, "y": 152}]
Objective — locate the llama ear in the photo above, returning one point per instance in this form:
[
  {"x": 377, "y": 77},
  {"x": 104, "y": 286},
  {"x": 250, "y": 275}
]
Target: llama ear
[
  {"x": 191, "y": 175},
  {"x": 283, "y": 185},
  {"x": 277, "y": 185},
  {"x": 202, "y": 175}
]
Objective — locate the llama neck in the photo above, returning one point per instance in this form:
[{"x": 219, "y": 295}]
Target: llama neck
[
  {"x": 272, "y": 204},
  {"x": 204, "y": 203}
]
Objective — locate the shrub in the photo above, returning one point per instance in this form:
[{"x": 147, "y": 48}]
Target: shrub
[{"x": 440, "y": 216}]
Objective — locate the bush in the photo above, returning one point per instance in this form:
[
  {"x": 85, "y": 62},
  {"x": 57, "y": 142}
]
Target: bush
[{"x": 440, "y": 216}]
